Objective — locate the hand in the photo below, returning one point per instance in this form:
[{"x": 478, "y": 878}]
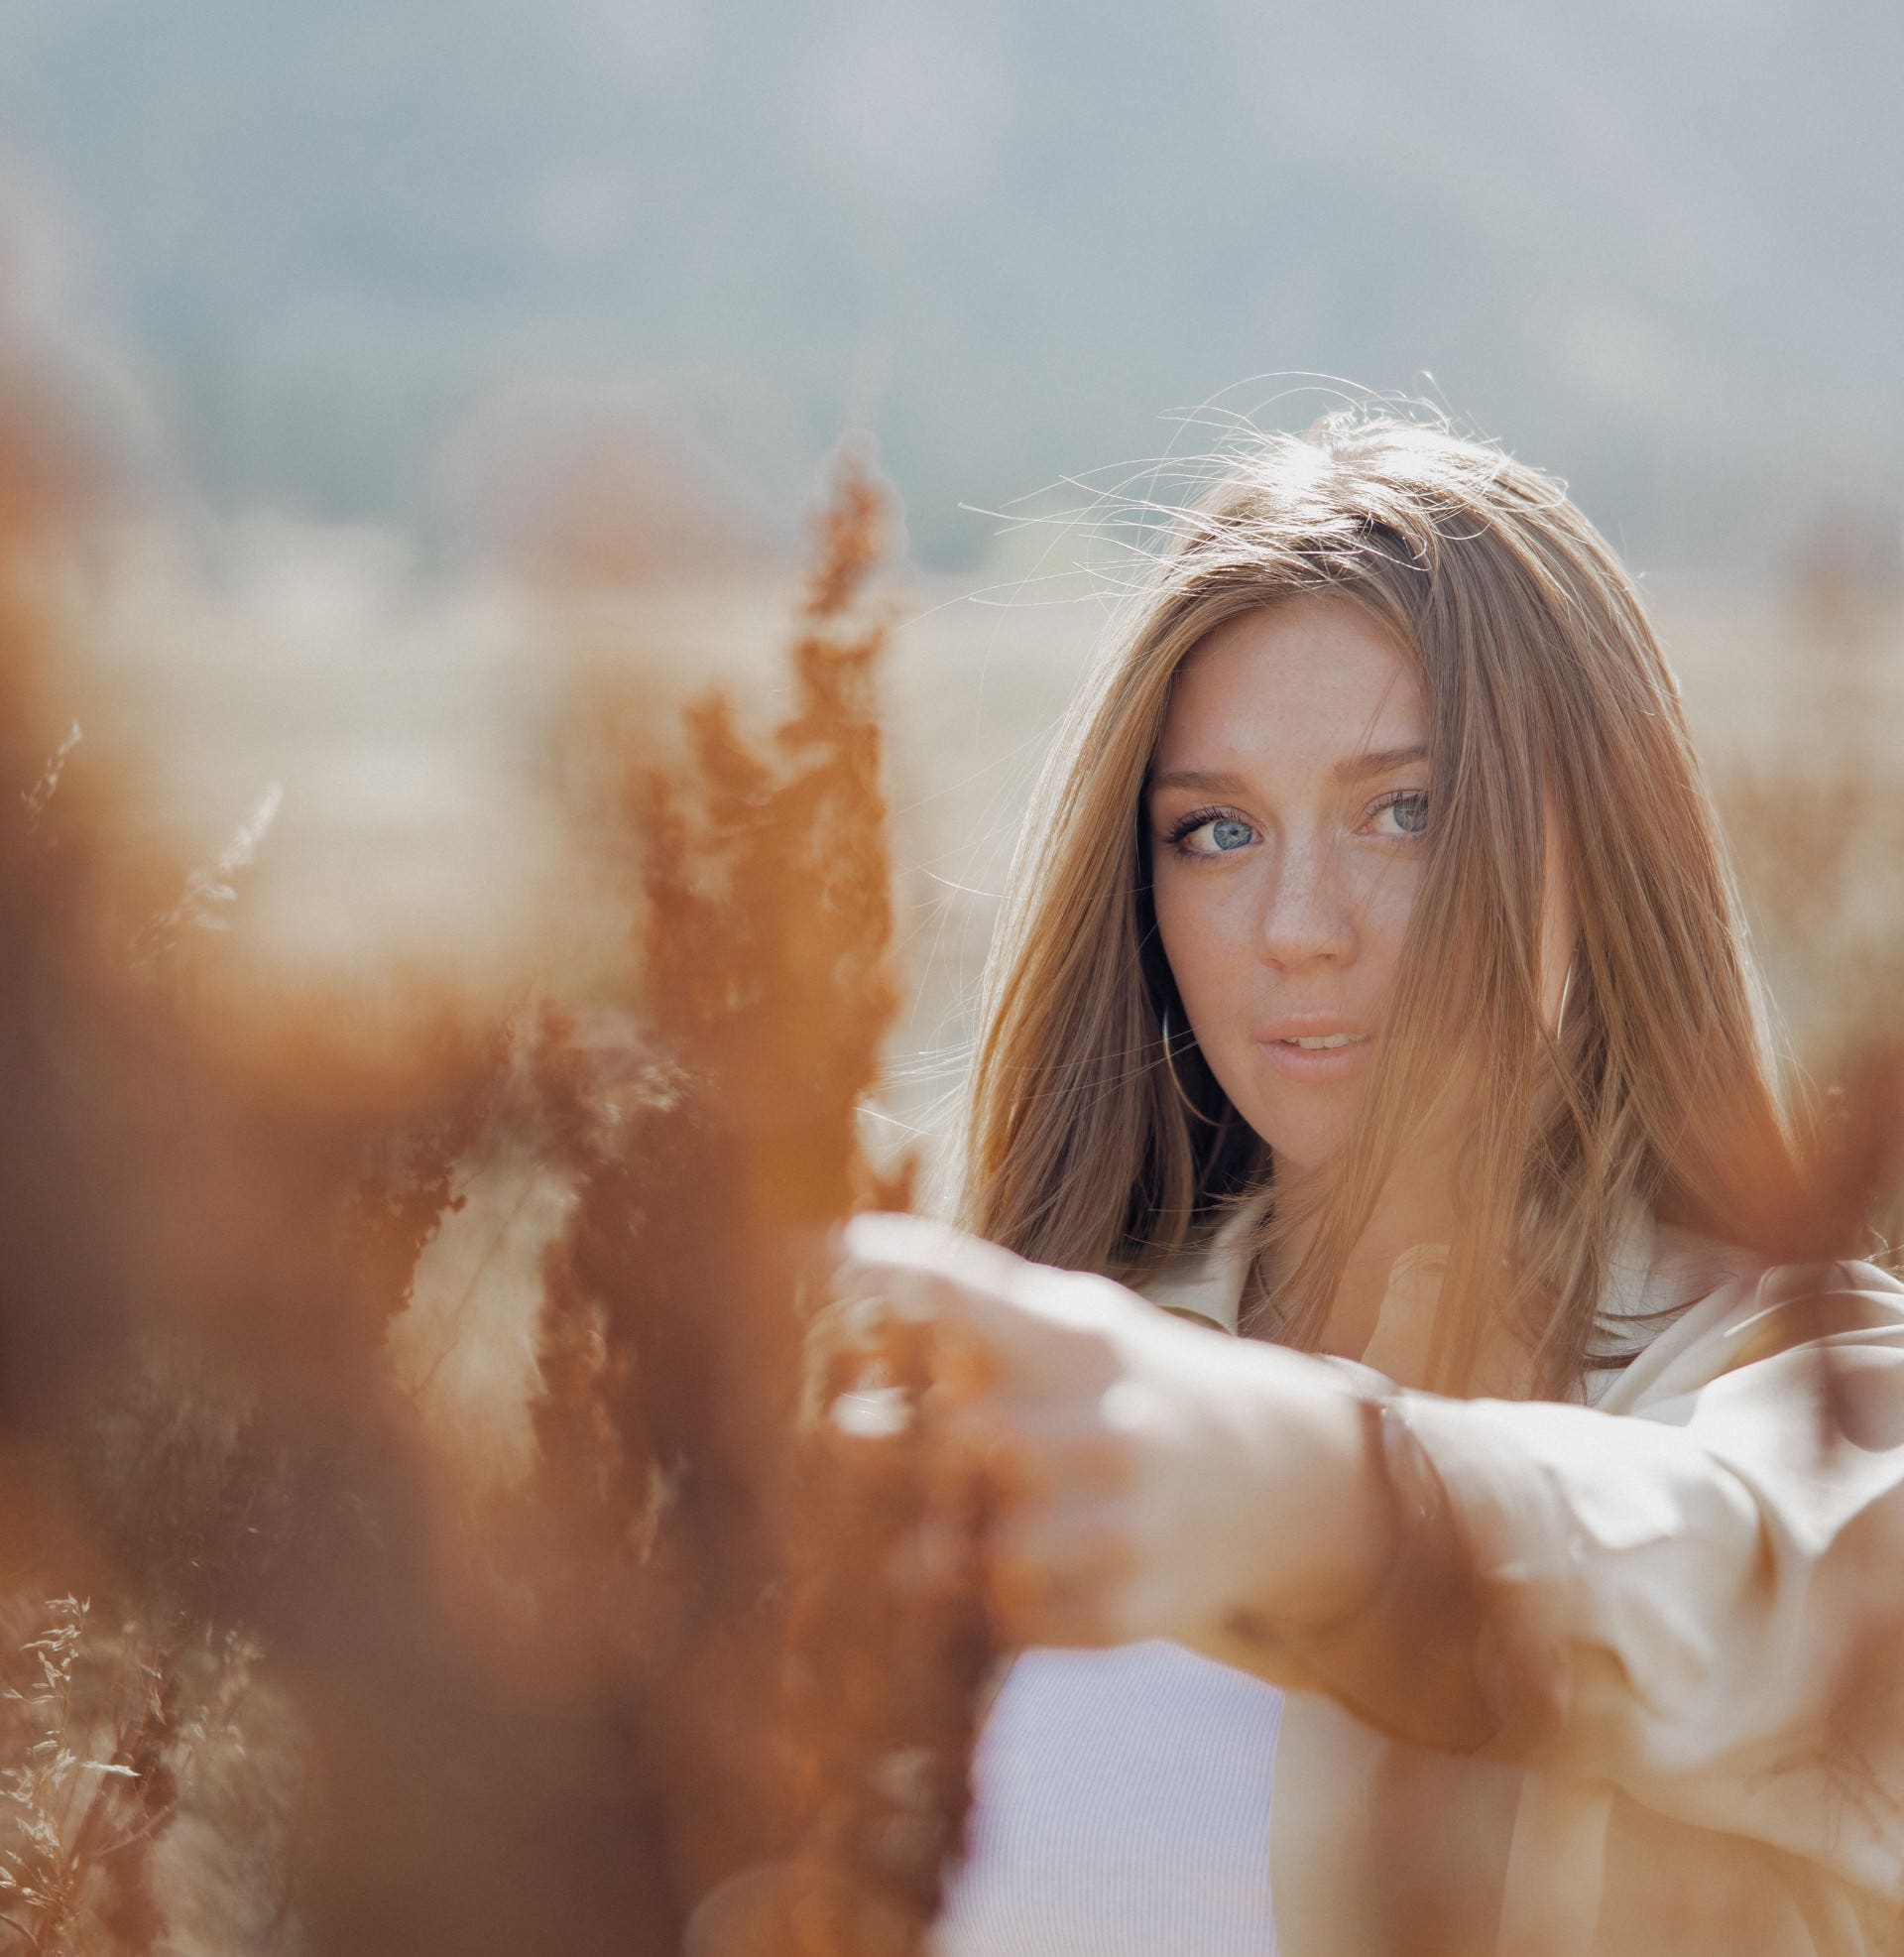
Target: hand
[
  {"x": 755, "y": 1913},
  {"x": 1152, "y": 1479}
]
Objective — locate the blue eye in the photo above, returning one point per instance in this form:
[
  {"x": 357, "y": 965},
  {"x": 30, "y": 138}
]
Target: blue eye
[
  {"x": 1410, "y": 811},
  {"x": 1207, "y": 835}
]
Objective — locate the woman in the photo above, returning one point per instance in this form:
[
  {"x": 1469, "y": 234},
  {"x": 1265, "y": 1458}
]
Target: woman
[{"x": 1373, "y": 991}]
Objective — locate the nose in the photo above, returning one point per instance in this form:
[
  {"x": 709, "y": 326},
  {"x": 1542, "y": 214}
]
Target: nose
[{"x": 1307, "y": 919}]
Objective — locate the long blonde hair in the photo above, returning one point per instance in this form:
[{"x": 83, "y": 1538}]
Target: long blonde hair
[{"x": 1547, "y": 690}]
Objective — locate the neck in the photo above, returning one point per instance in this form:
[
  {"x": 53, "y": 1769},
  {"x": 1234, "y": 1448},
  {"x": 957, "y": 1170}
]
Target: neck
[{"x": 1414, "y": 1208}]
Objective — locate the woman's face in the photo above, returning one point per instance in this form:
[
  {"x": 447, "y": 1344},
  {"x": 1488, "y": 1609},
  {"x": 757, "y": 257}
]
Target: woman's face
[{"x": 1288, "y": 812}]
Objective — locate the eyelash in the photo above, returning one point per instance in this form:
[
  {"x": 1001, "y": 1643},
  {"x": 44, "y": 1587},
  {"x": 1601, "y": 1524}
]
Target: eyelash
[{"x": 1188, "y": 825}]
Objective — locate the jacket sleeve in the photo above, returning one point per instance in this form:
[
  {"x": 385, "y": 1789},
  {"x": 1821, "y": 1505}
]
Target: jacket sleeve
[{"x": 1700, "y": 1600}]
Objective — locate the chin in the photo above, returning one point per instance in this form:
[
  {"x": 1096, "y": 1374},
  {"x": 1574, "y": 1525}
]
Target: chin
[{"x": 1297, "y": 1143}]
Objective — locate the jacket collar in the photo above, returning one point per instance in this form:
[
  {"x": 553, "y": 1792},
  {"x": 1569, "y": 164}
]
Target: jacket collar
[
  {"x": 1654, "y": 1269},
  {"x": 1206, "y": 1282}
]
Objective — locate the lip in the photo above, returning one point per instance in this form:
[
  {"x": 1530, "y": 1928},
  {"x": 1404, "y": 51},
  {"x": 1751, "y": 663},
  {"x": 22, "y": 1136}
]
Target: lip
[{"x": 1333, "y": 1063}]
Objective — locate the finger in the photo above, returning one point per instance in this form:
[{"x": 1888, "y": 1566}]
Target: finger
[
  {"x": 745, "y": 1913},
  {"x": 995, "y": 1287},
  {"x": 1032, "y": 1319},
  {"x": 923, "y": 1244},
  {"x": 935, "y": 1559},
  {"x": 1028, "y": 1450},
  {"x": 1056, "y": 1574},
  {"x": 985, "y": 1445},
  {"x": 872, "y": 1302},
  {"x": 1050, "y": 1489},
  {"x": 923, "y": 1273},
  {"x": 749, "y": 1913}
]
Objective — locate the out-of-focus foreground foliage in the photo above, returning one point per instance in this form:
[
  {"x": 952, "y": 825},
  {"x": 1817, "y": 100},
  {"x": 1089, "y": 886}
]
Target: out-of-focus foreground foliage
[{"x": 293, "y": 1668}]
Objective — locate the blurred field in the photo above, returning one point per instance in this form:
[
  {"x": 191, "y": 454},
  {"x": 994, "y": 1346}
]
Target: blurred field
[
  {"x": 426, "y": 736},
  {"x": 434, "y": 742},
  {"x": 423, "y": 731}
]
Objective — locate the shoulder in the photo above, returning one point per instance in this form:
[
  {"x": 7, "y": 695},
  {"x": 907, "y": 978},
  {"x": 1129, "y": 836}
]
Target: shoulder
[
  {"x": 1206, "y": 1281},
  {"x": 1728, "y": 1309}
]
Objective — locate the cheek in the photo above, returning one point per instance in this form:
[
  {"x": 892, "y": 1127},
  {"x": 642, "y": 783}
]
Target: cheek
[
  {"x": 1384, "y": 911},
  {"x": 1205, "y": 929}
]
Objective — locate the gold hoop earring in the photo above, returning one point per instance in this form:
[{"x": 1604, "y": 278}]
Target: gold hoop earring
[
  {"x": 1171, "y": 1067},
  {"x": 1560, "y": 1018}
]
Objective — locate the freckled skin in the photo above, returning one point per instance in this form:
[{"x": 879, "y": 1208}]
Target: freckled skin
[{"x": 1302, "y": 896}]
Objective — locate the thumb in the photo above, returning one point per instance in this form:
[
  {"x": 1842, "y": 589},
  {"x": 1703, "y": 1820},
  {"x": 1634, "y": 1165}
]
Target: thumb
[{"x": 1405, "y": 1323}]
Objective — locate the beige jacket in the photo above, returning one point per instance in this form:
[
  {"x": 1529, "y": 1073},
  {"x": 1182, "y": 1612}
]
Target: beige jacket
[{"x": 1635, "y": 1682}]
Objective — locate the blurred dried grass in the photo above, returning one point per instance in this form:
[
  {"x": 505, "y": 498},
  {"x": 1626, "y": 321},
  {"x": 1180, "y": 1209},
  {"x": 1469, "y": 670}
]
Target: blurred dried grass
[{"x": 307, "y": 1667}]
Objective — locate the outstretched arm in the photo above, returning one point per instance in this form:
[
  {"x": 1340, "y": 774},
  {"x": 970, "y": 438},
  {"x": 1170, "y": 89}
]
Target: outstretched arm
[
  {"x": 1697, "y": 1599},
  {"x": 1154, "y": 1478}
]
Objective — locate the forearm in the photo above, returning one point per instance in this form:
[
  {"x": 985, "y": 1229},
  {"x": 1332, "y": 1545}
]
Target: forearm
[
  {"x": 1388, "y": 1612},
  {"x": 1314, "y": 1522},
  {"x": 1643, "y": 1600}
]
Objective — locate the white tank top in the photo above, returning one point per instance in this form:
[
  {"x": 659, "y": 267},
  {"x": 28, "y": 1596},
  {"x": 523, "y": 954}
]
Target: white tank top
[{"x": 1122, "y": 1810}]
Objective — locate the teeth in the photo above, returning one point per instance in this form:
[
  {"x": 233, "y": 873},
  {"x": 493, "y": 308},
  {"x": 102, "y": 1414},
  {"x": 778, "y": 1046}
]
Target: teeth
[{"x": 1324, "y": 1040}]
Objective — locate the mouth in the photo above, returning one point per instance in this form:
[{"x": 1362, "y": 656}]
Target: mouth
[{"x": 1314, "y": 1047}]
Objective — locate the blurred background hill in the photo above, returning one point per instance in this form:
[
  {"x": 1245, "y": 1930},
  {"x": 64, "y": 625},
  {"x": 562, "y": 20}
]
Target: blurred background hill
[{"x": 1654, "y": 246}]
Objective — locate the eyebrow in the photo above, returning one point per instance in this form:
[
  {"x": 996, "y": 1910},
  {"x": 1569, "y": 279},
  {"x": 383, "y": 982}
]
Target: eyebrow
[{"x": 1358, "y": 768}]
